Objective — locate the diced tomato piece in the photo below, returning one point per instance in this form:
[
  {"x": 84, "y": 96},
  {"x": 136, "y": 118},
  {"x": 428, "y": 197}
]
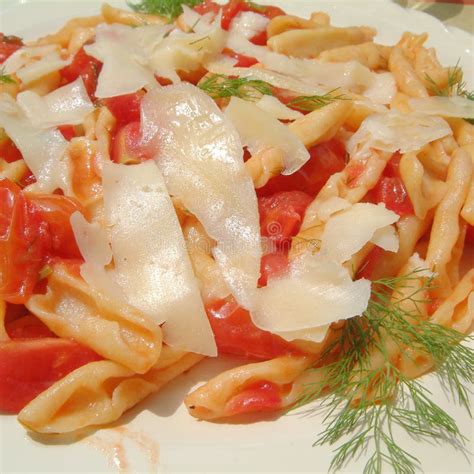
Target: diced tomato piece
[
  {"x": 391, "y": 190},
  {"x": 8, "y": 150},
  {"x": 24, "y": 242},
  {"x": 234, "y": 7},
  {"x": 86, "y": 67},
  {"x": 125, "y": 108},
  {"x": 28, "y": 327},
  {"x": 56, "y": 211},
  {"x": 8, "y": 45},
  {"x": 370, "y": 263},
  {"x": 67, "y": 131},
  {"x": 260, "y": 38},
  {"x": 470, "y": 234},
  {"x": 242, "y": 60},
  {"x": 281, "y": 216},
  {"x": 273, "y": 264},
  {"x": 236, "y": 334},
  {"x": 127, "y": 147},
  {"x": 326, "y": 159},
  {"x": 208, "y": 6},
  {"x": 261, "y": 396},
  {"x": 30, "y": 366}
]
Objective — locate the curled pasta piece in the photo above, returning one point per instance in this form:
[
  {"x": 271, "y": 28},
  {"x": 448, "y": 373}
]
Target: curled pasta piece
[
  {"x": 322, "y": 124},
  {"x": 224, "y": 395},
  {"x": 407, "y": 80},
  {"x": 99, "y": 393},
  {"x": 79, "y": 38},
  {"x": 117, "y": 15},
  {"x": 453, "y": 269},
  {"x": 112, "y": 329},
  {"x": 372, "y": 55},
  {"x": 320, "y": 18},
  {"x": 463, "y": 131},
  {"x": 309, "y": 43},
  {"x": 283, "y": 23},
  {"x": 435, "y": 158},
  {"x": 424, "y": 190},
  {"x": 264, "y": 165},
  {"x": 467, "y": 212},
  {"x": 445, "y": 229},
  {"x": 400, "y": 103},
  {"x": 64, "y": 35},
  {"x": 98, "y": 126},
  {"x": 429, "y": 69},
  {"x": 206, "y": 269}
]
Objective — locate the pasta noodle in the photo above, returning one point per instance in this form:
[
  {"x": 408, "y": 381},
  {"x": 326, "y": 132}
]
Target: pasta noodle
[
  {"x": 71, "y": 309},
  {"x": 99, "y": 393}
]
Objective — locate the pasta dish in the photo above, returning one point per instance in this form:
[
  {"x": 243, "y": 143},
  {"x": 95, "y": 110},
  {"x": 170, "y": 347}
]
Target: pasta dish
[{"x": 185, "y": 180}]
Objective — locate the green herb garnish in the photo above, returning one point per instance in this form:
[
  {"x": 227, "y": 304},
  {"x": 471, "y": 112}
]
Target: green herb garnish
[
  {"x": 6, "y": 78},
  {"x": 308, "y": 103},
  {"x": 455, "y": 84},
  {"x": 363, "y": 402},
  {"x": 220, "y": 86},
  {"x": 168, "y": 8}
]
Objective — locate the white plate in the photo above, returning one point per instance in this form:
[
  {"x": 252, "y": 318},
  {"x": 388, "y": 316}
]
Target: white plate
[{"x": 159, "y": 435}]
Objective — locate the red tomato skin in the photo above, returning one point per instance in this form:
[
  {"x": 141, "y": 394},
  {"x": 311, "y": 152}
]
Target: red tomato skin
[
  {"x": 260, "y": 39},
  {"x": 24, "y": 242},
  {"x": 56, "y": 211},
  {"x": 281, "y": 216},
  {"x": 30, "y": 366},
  {"x": 8, "y": 150},
  {"x": 125, "y": 108},
  {"x": 206, "y": 7},
  {"x": 236, "y": 334},
  {"x": 261, "y": 396},
  {"x": 242, "y": 60},
  {"x": 28, "y": 327},
  {"x": 273, "y": 264},
  {"x": 8, "y": 45},
  {"x": 326, "y": 159},
  {"x": 86, "y": 67},
  {"x": 470, "y": 235},
  {"x": 67, "y": 131},
  {"x": 127, "y": 145},
  {"x": 234, "y": 7}
]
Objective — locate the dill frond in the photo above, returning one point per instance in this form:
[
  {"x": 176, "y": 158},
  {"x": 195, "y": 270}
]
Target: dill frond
[
  {"x": 219, "y": 86},
  {"x": 309, "y": 103},
  {"x": 364, "y": 402},
  {"x": 168, "y": 8},
  {"x": 5, "y": 78}
]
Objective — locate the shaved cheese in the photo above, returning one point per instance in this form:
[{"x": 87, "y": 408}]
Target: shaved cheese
[
  {"x": 386, "y": 238},
  {"x": 276, "y": 108},
  {"x": 416, "y": 263},
  {"x": 445, "y": 106},
  {"x": 259, "y": 130},
  {"x": 200, "y": 155},
  {"x": 93, "y": 243},
  {"x": 394, "y": 131},
  {"x": 312, "y": 334},
  {"x": 67, "y": 105},
  {"x": 124, "y": 53},
  {"x": 152, "y": 265},
  {"x": 346, "y": 232},
  {"x": 382, "y": 89},
  {"x": 330, "y": 206},
  {"x": 198, "y": 23},
  {"x": 33, "y": 63},
  {"x": 351, "y": 75},
  {"x": 249, "y": 24},
  {"x": 315, "y": 293},
  {"x": 42, "y": 150}
]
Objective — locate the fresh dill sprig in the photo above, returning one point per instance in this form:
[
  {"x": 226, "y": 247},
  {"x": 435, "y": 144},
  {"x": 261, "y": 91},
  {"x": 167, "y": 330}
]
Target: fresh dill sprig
[
  {"x": 169, "y": 8},
  {"x": 219, "y": 86},
  {"x": 308, "y": 103},
  {"x": 455, "y": 84},
  {"x": 365, "y": 401},
  {"x": 6, "y": 78}
]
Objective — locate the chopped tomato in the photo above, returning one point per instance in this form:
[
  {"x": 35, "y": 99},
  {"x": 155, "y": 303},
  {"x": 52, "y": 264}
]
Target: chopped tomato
[
  {"x": 28, "y": 327},
  {"x": 470, "y": 234},
  {"x": 8, "y": 45},
  {"x": 370, "y": 263},
  {"x": 127, "y": 147},
  {"x": 236, "y": 334},
  {"x": 260, "y": 39},
  {"x": 8, "y": 150},
  {"x": 234, "y": 7},
  {"x": 30, "y": 366},
  {"x": 281, "y": 216},
  {"x": 86, "y": 67},
  {"x": 391, "y": 191},
  {"x": 242, "y": 60},
  {"x": 326, "y": 159},
  {"x": 67, "y": 131},
  {"x": 208, "y": 6},
  {"x": 56, "y": 211},
  {"x": 125, "y": 108},
  {"x": 272, "y": 264},
  {"x": 261, "y": 396},
  {"x": 24, "y": 242}
]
